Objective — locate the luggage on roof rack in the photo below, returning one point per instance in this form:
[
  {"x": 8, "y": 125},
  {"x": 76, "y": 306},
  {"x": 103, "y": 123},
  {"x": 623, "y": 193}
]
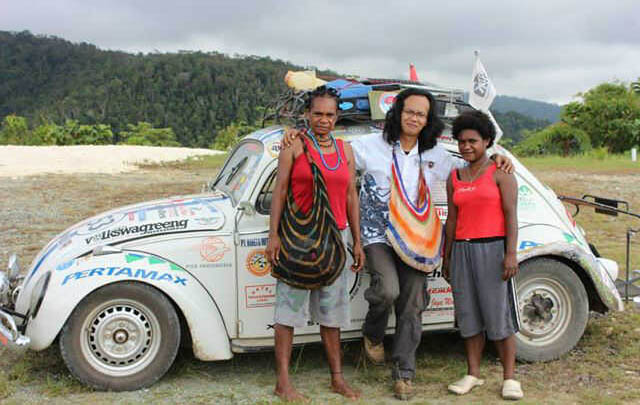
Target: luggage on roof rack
[{"x": 361, "y": 101}]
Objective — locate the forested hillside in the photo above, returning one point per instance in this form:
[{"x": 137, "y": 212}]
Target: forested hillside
[
  {"x": 194, "y": 95},
  {"x": 535, "y": 109},
  {"x": 513, "y": 124}
]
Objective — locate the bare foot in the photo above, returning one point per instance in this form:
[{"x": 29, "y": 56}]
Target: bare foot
[
  {"x": 290, "y": 394},
  {"x": 342, "y": 388}
]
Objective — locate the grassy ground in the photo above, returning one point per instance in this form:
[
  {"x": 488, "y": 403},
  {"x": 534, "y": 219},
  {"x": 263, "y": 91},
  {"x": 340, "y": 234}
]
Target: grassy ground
[{"x": 603, "y": 368}]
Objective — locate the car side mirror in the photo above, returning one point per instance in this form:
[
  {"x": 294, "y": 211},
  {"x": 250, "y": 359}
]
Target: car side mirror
[
  {"x": 13, "y": 267},
  {"x": 246, "y": 207}
]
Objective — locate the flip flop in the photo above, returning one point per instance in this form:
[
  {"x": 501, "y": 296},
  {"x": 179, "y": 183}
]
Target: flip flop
[
  {"x": 511, "y": 389},
  {"x": 465, "y": 384}
]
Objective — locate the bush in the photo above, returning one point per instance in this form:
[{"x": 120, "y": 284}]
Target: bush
[
  {"x": 45, "y": 134},
  {"x": 600, "y": 153},
  {"x": 144, "y": 134},
  {"x": 557, "y": 139},
  {"x": 73, "y": 133},
  {"x": 231, "y": 135},
  {"x": 14, "y": 130}
]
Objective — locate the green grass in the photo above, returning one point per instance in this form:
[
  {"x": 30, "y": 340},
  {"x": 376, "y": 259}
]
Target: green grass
[
  {"x": 200, "y": 162},
  {"x": 6, "y": 388},
  {"x": 589, "y": 163}
]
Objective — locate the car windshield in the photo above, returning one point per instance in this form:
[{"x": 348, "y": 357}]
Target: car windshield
[{"x": 236, "y": 173}]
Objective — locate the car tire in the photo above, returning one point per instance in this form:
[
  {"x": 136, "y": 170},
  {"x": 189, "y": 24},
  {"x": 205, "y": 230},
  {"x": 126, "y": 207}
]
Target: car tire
[
  {"x": 121, "y": 337},
  {"x": 554, "y": 309}
]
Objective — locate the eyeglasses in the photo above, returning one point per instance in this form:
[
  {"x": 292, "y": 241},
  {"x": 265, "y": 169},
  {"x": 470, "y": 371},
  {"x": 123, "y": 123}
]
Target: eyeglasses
[{"x": 417, "y": 114}]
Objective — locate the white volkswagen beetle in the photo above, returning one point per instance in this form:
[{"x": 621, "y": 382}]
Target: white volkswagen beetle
[{"x": 121, "y": 291}]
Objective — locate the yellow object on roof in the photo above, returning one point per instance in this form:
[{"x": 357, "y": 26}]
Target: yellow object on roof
[{"x": 303, "y": 80}]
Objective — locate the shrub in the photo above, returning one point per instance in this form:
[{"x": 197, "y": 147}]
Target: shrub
[
  {"x": 557, "y": 139},
  {"x": 14, "y": 130},
  {"x": 228, "y": 137},
  {"x": 45, "y": 134},
  {"x": 144, "y": 134}
]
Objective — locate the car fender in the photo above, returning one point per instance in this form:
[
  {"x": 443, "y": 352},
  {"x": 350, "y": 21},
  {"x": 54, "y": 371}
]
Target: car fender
[
  {"x": 72, "y": 281},
  {"x": 603, "y": 285}
]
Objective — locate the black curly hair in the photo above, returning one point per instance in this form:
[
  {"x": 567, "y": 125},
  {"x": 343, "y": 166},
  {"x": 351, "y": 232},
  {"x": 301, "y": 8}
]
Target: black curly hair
[
  {"x": 393, "y": 121},
  {"x": 476, "y": 120},
  {"x": 322, "y": 91}
]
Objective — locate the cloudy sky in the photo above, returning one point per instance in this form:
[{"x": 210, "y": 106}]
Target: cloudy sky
[{"x": 546, "y": 49}]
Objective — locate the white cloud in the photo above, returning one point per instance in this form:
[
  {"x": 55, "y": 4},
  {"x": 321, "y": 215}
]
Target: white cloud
[{"x": 547, "y": 50}]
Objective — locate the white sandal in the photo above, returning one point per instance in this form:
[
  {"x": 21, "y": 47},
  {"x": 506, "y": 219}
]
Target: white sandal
[
  {"x": 465, "y": 384},
  {"x": 511, "y": 389}
]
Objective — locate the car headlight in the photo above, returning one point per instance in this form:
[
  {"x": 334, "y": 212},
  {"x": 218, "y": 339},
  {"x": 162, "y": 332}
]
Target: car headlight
[{"x": 38, "y": 293}]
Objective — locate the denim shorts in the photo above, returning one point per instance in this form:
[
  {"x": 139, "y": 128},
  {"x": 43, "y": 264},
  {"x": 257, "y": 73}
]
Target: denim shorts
[{"x": 327, "y": 306}]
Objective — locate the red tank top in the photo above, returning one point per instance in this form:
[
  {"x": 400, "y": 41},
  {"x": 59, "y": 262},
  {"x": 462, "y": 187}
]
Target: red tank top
[
  {"x": 479, "y": 205},
  {"x": 337, "y": 181}
]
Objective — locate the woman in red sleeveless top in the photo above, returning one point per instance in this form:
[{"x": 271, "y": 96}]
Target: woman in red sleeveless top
[
  {"x": 328, "y": 306},
  {"x": 480, "y": 258}
]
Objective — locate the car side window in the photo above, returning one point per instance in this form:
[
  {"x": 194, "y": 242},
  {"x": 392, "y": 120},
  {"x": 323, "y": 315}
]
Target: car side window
[{"x": 263, "y": 203}]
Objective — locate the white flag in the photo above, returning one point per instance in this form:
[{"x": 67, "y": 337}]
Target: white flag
[{"x": 482, "y": 91}]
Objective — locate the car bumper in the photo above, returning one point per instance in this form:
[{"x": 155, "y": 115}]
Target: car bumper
[{"x": 10, "y": 336}]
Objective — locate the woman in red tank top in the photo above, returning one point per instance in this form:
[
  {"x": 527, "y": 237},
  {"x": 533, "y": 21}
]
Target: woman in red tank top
[
  {"x": 328, "y": 306},
  {"x": 480, "y": 253}
]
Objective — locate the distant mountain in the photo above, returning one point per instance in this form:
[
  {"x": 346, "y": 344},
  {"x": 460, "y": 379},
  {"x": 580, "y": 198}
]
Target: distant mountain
[
  {"x": 535, "y": 109},
  {"x": 513, "y": 124}
]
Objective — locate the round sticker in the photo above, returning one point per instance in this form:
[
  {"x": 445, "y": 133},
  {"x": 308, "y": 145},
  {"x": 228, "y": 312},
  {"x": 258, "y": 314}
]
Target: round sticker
[
  {"x": 213, "y": 249},
  {"x": 274, "y": 148},
  {"x": 257, "y": 263}
]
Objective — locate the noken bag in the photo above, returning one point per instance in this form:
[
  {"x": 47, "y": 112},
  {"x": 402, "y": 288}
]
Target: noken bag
[
  {"x": 414, "y": 230},
  {"x": 312, "y": 253}
]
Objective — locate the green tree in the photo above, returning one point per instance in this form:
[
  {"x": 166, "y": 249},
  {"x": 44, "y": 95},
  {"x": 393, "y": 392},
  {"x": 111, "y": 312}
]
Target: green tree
[
  {"x": 144, "y": 134},
  {"x": 231, "y": 135},
  {"x": 607, "y": 114},
  {"x": 46, "y": 134},
  {"x": 14, "y": 130},
  {"x": 557, "y": 139}
]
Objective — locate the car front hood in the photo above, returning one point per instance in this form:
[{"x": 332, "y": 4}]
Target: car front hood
[{"x": 203, "y": 212}]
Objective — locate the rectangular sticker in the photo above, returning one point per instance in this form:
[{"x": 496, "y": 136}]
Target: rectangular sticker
[{"x": 257, "y": 296}]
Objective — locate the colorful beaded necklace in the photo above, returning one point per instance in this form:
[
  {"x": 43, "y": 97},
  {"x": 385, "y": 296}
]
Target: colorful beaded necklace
[{"x": 335, "y": 146}]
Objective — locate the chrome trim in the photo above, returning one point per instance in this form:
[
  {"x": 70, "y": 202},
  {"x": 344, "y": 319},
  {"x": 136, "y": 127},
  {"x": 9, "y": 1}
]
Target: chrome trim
[{"x": 9, "y": 334}]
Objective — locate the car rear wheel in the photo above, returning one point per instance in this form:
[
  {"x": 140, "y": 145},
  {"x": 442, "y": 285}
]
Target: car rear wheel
[
  {"x": 553, "y": 307},
  {"x": 122, "y": 337}
]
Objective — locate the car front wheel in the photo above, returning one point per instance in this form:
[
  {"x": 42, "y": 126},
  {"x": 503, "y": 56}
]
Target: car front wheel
[
  {"x": 122, "y": 337},
  {"x": 553, "y": 307}
]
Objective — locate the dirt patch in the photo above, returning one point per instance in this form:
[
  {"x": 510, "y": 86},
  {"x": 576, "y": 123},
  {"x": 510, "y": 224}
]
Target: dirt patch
[{"x": 20, "y": 161}]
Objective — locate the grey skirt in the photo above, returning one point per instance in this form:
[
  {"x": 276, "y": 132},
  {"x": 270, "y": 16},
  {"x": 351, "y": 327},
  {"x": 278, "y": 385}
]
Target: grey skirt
[{"x": 483, "y": 301}]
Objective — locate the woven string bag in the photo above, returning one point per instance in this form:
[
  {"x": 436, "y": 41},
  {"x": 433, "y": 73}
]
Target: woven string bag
[
  {"x": 312, "y": 253},
  {"x": 414, "y": 230}
]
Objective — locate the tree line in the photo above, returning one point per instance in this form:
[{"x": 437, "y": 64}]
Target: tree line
[{"x": 607, "y": 117}]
